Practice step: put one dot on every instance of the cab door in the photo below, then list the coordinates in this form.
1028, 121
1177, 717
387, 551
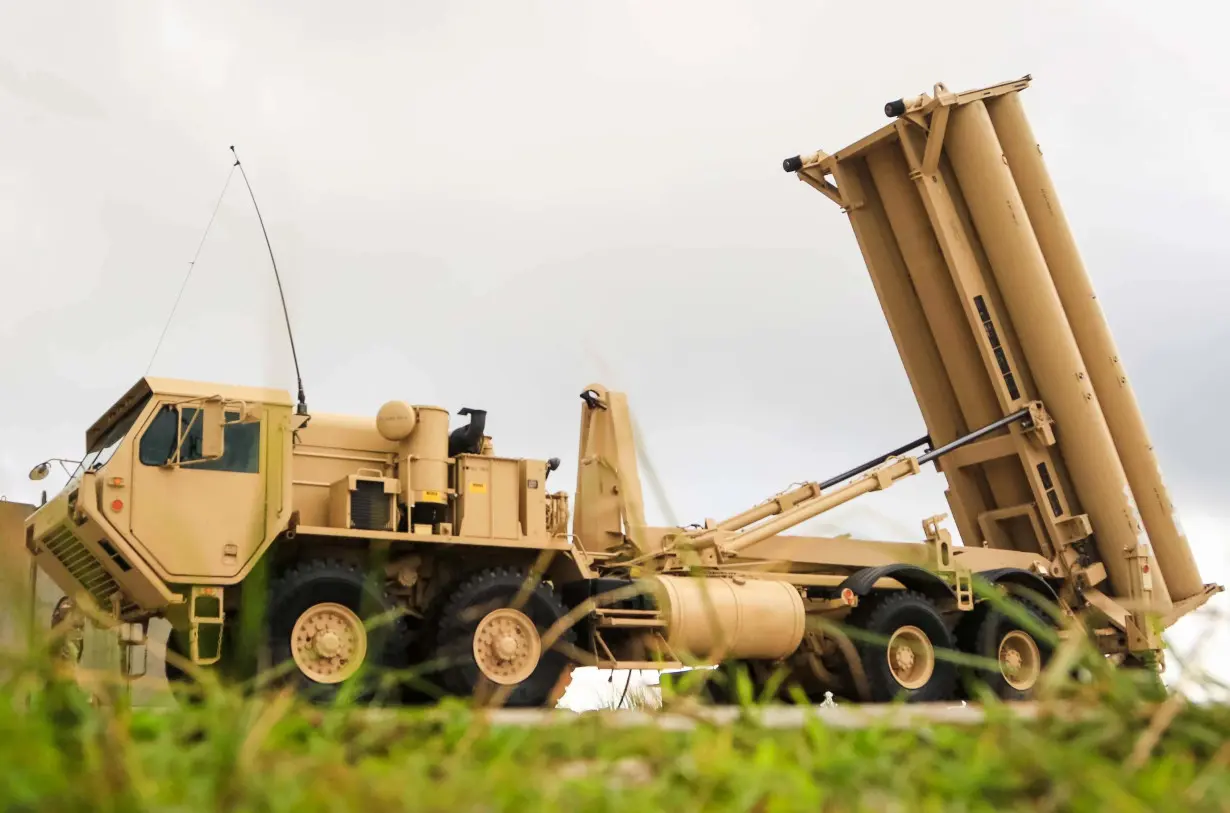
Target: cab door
200, 519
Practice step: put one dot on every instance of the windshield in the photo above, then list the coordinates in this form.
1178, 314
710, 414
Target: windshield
98, 456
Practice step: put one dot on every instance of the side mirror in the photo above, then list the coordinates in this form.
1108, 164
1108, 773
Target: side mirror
201, 430
212, 429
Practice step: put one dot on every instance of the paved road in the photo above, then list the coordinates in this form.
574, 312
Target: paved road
841, 716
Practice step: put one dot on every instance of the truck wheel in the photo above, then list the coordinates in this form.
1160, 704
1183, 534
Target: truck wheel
484, 640
907, 665
184, 686
561, 686
719, 688
181, 685
320, 614
1020, 656
722, 687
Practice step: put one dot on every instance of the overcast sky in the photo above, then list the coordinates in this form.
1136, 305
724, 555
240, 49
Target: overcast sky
494, 204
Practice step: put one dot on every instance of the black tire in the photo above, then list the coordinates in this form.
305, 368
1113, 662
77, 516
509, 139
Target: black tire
981, 634
183, 685
886, 613
318, 581
722, 687
422, 686
177, 644
466, 605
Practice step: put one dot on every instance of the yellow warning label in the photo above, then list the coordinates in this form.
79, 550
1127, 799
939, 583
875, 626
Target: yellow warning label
478, 488
432, 496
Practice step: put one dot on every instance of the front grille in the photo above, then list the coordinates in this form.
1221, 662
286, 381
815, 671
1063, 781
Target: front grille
87, 570
369, 506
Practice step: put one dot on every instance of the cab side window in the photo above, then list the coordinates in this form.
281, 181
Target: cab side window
158, 442
241, 443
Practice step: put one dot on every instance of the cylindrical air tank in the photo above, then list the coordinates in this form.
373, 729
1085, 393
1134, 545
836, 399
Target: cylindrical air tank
1047, 341
427, 449
1097, 348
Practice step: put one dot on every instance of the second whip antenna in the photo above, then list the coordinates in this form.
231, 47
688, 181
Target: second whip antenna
301, 409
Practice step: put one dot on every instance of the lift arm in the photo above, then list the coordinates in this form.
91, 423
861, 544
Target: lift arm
812, 501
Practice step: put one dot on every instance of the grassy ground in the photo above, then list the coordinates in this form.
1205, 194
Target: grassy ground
1128, 751
1113, 741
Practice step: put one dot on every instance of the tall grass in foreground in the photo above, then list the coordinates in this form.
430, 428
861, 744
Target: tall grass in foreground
1107, 743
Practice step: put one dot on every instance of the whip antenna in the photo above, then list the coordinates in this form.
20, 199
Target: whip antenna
191, 266
301, 409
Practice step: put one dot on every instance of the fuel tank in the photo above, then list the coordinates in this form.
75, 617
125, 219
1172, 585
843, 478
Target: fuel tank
718, 618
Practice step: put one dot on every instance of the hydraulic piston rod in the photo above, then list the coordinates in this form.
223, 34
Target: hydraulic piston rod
973, 436
872, 481
784, 502
871, 464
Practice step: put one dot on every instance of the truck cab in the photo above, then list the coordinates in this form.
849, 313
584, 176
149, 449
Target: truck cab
182, 482
187, 486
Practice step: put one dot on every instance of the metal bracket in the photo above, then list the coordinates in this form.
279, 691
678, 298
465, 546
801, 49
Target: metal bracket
129, 672
821, 184
131, 637
935, 140
1041, 426
1144, 628
939, 542
1074, 529
988, 524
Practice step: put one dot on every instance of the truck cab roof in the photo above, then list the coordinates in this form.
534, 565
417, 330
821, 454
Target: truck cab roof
185, 388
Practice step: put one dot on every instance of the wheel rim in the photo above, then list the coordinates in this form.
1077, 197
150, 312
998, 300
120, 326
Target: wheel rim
1020, 661
506, 646
911, 658
328, 643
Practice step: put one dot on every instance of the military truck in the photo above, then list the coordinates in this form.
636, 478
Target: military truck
341, 547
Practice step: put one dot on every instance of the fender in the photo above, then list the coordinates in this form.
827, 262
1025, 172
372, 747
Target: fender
1010, 577
912, 577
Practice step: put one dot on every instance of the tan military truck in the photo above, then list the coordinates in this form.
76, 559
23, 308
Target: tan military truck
339, 547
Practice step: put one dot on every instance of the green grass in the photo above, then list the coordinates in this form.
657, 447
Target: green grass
1109, 742
1123, 752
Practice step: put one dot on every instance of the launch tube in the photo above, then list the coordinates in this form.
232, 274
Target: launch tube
948, 323
908, 325
931, 279
1048, 343
1097, 347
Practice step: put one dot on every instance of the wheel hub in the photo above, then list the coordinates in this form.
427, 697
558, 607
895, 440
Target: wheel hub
328, 643
506, 646
1020, 661
911, 657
